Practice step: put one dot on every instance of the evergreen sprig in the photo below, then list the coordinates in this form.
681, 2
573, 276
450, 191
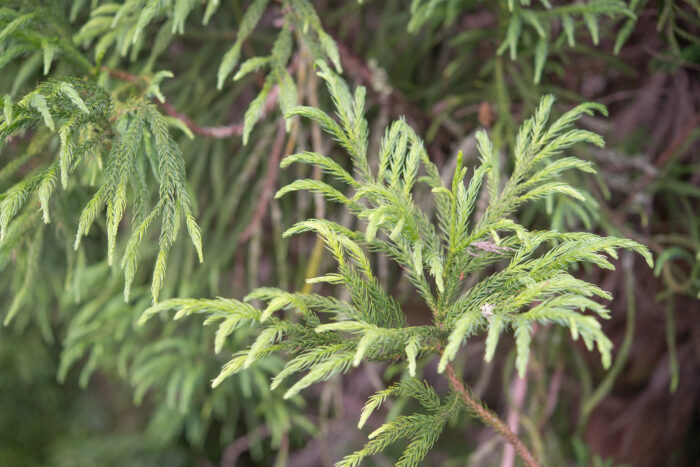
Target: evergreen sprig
120, 140
532, 284
298, 17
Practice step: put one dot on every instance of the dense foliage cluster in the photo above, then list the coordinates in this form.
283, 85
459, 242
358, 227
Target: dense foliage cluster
534, 287
141, 144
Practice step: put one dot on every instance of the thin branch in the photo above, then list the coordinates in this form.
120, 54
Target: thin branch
387, 96
519, 390
219, 132
268, 184
241, 445
552, 393
354, 65
489, 418
121, 74
660, 162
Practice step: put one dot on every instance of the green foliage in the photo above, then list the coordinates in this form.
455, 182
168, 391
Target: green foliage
311, 33
119, 140
525, 49
527, 23
90, 140
422, 429
99, 171
532, 284
37, 31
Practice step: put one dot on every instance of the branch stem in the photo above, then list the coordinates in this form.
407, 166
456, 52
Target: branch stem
269, 182
489, 418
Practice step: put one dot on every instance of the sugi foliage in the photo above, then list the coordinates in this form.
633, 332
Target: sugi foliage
532, 286
116, 134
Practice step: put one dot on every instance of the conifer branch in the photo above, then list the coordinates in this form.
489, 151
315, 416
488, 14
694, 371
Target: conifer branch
533, 287
101, 139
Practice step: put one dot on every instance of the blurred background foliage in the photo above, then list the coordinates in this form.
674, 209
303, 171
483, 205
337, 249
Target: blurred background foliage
81, 384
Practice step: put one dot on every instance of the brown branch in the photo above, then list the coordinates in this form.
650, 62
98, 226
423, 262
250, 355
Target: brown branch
219, 132
121, 74
268, 183
387, 96
392, 100
660, 162
241, 445
518, 390
226, 131
489, 418
553, 392
354, 65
